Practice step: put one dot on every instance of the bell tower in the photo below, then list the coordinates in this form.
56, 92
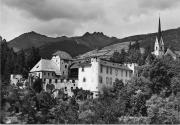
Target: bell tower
159, 44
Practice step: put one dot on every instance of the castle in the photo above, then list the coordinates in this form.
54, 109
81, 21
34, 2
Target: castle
89, 71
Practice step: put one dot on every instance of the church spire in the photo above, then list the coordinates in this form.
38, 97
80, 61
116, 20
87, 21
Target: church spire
159, 30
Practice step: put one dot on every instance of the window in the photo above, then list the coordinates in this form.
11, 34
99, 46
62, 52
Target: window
44, 80
84, 79
73, 81
130, 74
65, 66
74, 85
110, 70
44, 73
122, 73
107, 70
48, 74
71, 88
110, 81
50, 80
56, 80
65, 88
101, 68
100, 79
82, 69
107, 80
126, 73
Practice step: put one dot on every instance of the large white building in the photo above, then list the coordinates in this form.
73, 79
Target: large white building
96, 73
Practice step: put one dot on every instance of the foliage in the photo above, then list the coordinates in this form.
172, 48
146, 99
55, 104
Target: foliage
37, 86
82, 94
133, 55
161, 110
16, 63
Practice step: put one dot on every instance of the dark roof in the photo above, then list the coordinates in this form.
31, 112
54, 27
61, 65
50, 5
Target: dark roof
63, 55
80, 64
114, 65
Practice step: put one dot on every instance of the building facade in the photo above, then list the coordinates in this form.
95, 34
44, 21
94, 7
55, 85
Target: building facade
96, 73
54, 71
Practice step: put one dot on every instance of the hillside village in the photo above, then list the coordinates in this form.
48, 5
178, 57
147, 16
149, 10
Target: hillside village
93, 72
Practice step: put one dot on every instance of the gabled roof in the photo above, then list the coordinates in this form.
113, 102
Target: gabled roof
80, 64
174, 54
46, 65
177, 53
169, 51
63, 55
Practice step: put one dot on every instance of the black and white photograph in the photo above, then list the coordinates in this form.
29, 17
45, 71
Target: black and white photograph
90, 61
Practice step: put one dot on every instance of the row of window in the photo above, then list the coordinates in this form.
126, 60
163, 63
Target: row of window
50, 80
108, 80
49, 74
109, 70
56, 81
65, 88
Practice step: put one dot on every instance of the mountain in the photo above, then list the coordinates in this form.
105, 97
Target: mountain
171, 39
95, 40
90, 41
48, 45
28, 40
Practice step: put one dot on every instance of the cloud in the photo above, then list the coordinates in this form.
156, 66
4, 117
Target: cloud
52, 9
158, 4
118, 18
58, 27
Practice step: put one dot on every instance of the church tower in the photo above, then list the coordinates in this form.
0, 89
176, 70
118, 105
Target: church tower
159, 44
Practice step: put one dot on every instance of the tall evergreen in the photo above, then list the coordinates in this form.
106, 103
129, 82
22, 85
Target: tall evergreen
33, 57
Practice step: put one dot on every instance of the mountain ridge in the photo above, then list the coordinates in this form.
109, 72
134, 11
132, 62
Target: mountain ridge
88, 41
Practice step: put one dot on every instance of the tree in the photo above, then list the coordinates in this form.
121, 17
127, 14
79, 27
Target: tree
117, 87
37, 86
33, 57
161, 111
159, 75
82, 94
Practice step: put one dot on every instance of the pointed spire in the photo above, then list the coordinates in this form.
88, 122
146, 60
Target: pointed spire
159, 30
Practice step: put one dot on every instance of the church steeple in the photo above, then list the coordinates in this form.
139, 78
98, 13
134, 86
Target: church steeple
159, 44
159, 31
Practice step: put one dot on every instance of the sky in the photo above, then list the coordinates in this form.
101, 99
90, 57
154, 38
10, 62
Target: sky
118, 18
